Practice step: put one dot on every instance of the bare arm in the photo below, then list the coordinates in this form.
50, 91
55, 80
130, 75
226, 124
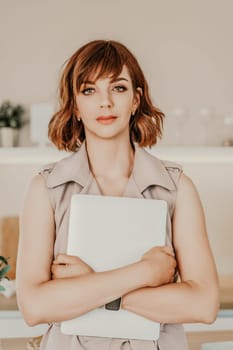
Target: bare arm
39, 296
195, 298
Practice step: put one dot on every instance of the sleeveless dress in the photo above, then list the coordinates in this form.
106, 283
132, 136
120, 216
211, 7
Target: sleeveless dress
150, 178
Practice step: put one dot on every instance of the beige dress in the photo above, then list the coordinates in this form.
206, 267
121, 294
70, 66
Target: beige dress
150, 178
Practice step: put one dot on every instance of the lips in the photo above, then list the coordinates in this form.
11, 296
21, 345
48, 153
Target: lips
106, 119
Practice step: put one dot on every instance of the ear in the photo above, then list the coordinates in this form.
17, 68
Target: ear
137, 97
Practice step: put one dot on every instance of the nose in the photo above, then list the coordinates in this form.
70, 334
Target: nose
106, 100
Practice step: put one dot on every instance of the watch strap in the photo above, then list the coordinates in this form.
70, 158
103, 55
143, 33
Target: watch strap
113, 305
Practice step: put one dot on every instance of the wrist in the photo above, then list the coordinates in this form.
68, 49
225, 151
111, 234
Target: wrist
144, 273
151, 274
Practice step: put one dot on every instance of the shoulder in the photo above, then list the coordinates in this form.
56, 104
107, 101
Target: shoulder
149, 170
187, 190
46, 169
37, 185
170, 166
67, 160
174, 169
60, 172
186, 183
36, 195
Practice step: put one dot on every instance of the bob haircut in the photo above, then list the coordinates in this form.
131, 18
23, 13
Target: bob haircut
100, 59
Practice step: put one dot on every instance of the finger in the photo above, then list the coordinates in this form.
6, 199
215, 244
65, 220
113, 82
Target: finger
66, 259
56, 269
169, 250
61, 259
60, 271
68, 271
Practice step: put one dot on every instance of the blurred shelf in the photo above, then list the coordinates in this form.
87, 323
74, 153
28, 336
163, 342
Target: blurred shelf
30, 155
12, 324
198, 155
41, 155
8, 304
226, 293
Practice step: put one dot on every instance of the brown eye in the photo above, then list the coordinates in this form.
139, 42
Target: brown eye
120, 88
88, 91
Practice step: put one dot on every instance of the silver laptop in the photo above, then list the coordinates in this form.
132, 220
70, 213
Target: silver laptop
107, 233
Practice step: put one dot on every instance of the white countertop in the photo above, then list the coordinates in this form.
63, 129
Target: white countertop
12, 325
42, 155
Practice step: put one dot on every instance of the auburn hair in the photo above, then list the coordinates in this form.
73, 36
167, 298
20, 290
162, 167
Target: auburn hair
100, 59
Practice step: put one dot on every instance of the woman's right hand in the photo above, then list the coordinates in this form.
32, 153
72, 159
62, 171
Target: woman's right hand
160, 263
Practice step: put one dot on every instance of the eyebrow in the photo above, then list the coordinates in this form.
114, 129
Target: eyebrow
118, 79
112, 81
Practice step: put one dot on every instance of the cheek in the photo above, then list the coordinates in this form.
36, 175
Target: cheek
84, 108
129, 108
125, 103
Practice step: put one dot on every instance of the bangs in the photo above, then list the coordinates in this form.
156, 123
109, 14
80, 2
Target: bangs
105, 61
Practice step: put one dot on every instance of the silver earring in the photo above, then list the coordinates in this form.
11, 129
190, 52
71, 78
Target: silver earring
78, 119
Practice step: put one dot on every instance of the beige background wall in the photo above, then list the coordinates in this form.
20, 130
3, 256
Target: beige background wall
184, 46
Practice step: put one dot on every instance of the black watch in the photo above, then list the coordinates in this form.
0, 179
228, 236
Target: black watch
114, 305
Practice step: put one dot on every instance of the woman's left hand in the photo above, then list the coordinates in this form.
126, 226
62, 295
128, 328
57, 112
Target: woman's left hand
67, 266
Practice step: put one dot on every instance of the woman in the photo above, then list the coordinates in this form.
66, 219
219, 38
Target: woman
106, 117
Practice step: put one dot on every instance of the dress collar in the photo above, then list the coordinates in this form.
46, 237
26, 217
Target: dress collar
72, 168
147, 170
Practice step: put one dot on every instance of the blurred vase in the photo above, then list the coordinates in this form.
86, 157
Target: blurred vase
227, 139
8, 136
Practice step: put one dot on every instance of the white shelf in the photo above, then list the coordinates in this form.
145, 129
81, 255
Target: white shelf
30, 155
12, 325
194, 155
221, 324
43, 155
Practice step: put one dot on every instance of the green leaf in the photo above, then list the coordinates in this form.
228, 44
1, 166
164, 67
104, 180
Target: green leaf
3, 260
2, 288
4, 271
11, 115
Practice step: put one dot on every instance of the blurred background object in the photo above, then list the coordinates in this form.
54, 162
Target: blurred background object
228, 130
9, 236
40, 114
10, 123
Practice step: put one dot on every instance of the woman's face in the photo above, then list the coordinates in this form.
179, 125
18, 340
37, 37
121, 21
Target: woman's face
105, 106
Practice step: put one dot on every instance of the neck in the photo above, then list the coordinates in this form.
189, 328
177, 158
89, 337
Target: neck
110, 159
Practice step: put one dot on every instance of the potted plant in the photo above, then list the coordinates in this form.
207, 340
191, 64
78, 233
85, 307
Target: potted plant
4, 268
10, 123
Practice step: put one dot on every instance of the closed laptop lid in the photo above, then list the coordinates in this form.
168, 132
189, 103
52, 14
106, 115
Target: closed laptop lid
107, 233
